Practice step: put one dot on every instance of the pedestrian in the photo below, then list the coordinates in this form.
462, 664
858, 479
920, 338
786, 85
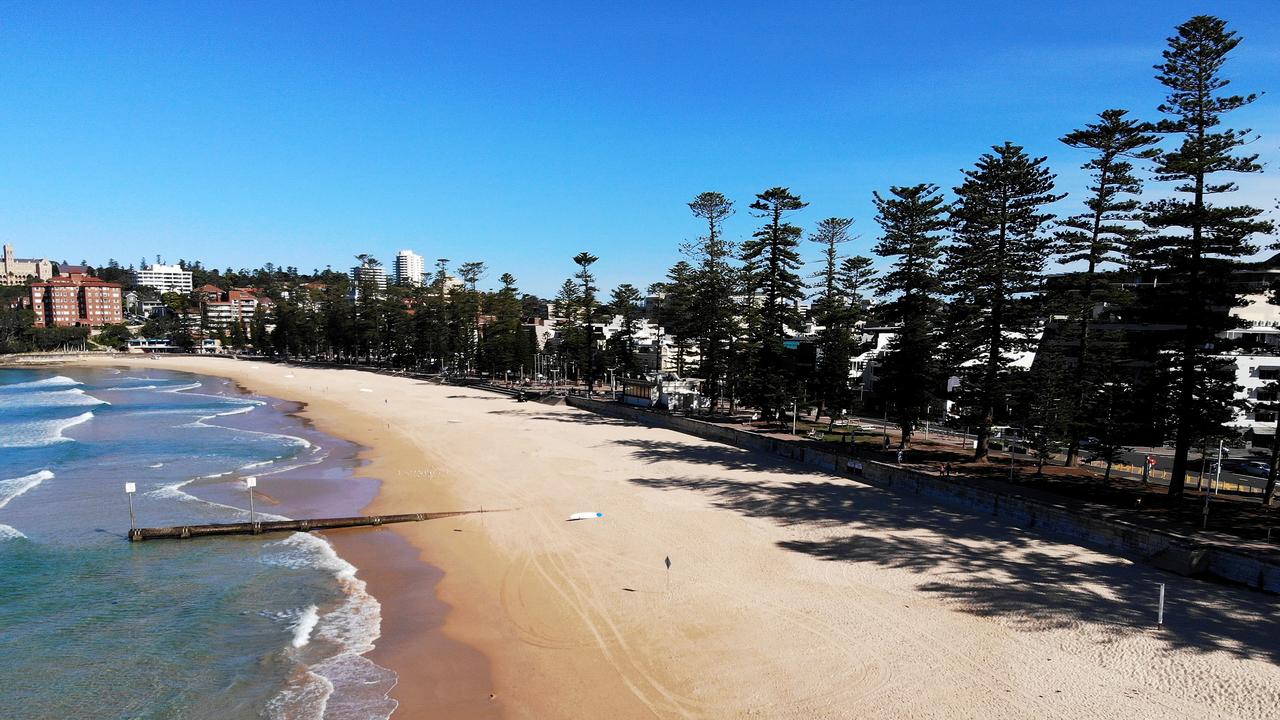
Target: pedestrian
947, 470
899, 456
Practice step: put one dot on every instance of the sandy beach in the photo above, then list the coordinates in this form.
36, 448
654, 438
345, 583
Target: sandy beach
791, 593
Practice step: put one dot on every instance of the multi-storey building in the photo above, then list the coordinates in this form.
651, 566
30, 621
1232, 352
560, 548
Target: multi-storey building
16, 271
409, 268
165, 278
222, 309
368, 274
77, 299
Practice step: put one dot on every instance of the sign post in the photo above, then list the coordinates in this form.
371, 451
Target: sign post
251, 483
129, 490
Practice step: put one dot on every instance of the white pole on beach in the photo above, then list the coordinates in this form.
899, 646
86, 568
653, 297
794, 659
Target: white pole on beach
251, 483
129, 490
1160, 611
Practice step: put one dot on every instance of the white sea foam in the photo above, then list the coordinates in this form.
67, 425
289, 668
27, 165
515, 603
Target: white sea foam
237, 411
306, 697
346, 683
13, 487
303, 626
66, 397
8, 532
161, 384
149, 383
55, 381
38, 433
175, 491
156, 465
204, 422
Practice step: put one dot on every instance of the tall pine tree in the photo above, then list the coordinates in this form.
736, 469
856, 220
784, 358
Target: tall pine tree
713, 285
621, 348
1101, 236
994, 266
774, 288
912, 219
833, 312
1196, 244
584, 276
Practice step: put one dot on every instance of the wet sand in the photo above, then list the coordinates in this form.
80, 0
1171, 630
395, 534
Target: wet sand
792, 594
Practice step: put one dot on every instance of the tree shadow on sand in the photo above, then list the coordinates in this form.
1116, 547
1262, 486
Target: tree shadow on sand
573, 418
974, 564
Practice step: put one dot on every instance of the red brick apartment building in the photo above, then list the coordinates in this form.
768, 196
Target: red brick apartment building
76, 299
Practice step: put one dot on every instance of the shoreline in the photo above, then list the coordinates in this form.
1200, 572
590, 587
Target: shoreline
394, 572
792, 593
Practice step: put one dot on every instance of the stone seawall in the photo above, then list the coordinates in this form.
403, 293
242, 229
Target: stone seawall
1178, 553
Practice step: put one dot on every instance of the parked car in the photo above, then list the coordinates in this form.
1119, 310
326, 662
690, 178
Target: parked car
1254, 468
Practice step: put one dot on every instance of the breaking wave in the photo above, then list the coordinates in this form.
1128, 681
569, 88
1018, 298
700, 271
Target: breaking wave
38, 433
13, 487
346, 682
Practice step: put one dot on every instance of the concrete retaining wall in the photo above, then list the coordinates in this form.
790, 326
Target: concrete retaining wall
1095, 529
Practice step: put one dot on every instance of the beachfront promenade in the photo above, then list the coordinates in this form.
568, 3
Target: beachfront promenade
794, 592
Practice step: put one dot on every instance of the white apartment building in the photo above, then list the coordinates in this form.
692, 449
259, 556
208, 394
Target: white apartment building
165, 278
368, 272
410, 268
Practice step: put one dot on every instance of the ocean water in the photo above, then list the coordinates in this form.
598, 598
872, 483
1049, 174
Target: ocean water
93, 626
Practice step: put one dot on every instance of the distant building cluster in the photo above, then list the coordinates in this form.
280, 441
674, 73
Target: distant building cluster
408, 270
221, 310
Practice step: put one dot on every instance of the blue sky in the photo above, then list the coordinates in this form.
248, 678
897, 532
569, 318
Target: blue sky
245, 133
